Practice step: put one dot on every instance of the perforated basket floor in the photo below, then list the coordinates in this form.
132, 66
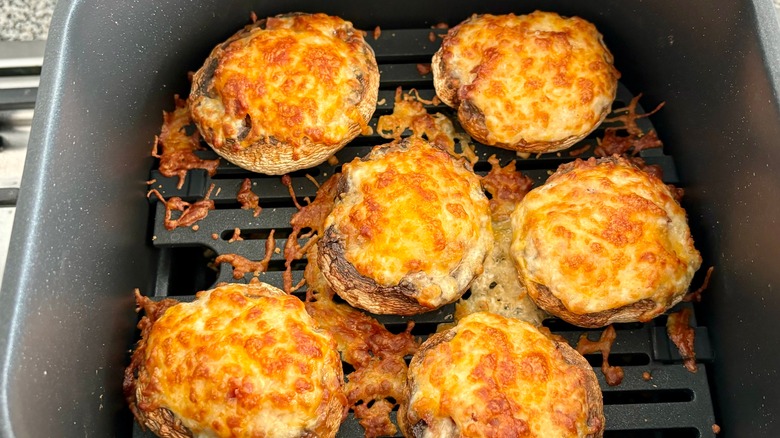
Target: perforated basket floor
674, 403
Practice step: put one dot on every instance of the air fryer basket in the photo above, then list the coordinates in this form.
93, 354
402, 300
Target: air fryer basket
85, 235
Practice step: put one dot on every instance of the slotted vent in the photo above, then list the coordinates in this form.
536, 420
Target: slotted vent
673, 403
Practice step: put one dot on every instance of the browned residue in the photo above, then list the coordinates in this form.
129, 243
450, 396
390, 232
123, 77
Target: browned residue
243, 266
409, 113
635, 141
376, 354
313, 181
579, 151
683, 336
650, 169
377, 33
630, 117
313, 217
613, 375
190, 213
287, 181
236, 235
248, 199
178, 148
658, 172
507, 187
423, 69
696, 295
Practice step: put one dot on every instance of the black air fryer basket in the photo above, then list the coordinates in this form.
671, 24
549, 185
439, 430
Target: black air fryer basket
85, 235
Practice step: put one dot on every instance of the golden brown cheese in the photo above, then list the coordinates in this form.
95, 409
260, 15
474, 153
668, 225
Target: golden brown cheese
243, 360
248, 199
536, 82
378, 383
492, 376
601, 235
409, 114
411, 213
298, 87
178, 148
190, 213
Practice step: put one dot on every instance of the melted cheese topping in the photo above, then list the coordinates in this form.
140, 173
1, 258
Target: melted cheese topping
498, 290
603, 234
178, 148
235, 364
497, 377
535, 78
409, 114
296, 81
173, 133
417, 215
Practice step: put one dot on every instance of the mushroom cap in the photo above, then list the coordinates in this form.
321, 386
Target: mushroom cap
409, 231
285, 93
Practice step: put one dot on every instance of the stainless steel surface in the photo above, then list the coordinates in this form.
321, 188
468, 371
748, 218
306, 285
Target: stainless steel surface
15, 121
15, 132
6, 222
11, 82
14, 54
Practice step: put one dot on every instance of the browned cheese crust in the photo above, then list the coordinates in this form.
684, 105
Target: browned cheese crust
493, 376
533, 83
602, 242
241, 360
409, 231
285, 93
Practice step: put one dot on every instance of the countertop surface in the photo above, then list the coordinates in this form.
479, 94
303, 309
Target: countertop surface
25, 20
